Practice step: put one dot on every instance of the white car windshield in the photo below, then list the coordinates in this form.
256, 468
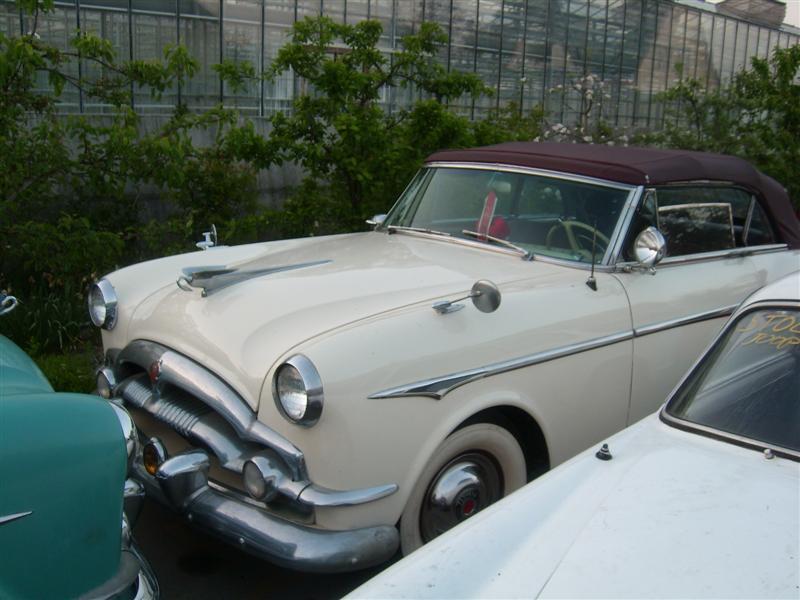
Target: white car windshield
543, 216
749, 385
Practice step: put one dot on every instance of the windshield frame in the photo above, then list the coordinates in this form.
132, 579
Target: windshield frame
605, 262
709, 354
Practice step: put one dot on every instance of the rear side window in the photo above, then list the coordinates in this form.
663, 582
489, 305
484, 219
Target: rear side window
709, 219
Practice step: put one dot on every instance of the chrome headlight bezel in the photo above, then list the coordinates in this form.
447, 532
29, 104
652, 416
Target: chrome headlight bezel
301, 369
102, 304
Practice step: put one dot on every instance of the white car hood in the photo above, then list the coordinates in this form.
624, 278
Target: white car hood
239, 331
673, 514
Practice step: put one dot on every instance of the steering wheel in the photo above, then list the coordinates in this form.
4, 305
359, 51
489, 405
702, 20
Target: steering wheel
580, 238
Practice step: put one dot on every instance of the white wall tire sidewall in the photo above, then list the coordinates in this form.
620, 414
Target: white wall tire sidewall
488, 438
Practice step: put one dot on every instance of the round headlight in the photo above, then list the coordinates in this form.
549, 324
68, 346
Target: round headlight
102, 302
106, 382
297, 389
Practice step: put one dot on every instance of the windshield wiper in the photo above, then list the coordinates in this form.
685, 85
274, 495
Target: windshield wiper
526, 254
394, 228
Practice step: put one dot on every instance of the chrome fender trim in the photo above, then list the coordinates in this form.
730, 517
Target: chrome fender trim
725, 311
437, 388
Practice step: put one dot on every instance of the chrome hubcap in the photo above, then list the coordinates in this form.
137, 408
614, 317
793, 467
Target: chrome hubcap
464, 486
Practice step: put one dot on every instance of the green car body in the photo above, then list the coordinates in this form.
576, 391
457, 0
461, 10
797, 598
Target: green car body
63, 466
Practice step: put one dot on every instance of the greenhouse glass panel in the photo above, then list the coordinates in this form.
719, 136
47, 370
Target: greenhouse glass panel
200, 33
154, 28
334, 9
241, 28
108, 21
57, 28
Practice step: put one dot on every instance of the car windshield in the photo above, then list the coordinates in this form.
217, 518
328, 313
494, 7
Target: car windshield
543, 216
749, 385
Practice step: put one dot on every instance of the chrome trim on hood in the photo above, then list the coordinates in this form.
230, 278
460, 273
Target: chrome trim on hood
213, 279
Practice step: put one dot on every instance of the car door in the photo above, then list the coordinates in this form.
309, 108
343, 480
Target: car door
720, 248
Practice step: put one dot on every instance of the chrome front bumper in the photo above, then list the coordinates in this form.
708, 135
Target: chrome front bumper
164, 387
181, 483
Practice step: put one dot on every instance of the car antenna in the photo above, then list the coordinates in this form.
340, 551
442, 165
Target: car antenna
592, 282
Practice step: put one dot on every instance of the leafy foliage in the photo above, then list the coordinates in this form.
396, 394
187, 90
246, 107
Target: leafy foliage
70, 186
756, 116
359, 154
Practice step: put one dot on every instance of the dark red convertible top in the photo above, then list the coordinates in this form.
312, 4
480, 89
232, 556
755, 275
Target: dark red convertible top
639, 166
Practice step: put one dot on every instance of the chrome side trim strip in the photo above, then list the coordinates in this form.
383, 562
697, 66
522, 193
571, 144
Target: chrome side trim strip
437, 388
671, 261
725, 311
14, 517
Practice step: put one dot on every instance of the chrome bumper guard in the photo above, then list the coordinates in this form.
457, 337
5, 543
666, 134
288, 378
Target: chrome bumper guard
182, 484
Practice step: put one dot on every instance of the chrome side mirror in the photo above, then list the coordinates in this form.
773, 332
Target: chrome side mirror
376, 220
649, 247
485, 296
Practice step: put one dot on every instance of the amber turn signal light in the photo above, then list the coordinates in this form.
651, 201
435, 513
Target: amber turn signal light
153, 455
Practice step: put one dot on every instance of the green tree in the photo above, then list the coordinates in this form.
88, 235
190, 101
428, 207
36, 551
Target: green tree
69, 185
356, 154
756, 116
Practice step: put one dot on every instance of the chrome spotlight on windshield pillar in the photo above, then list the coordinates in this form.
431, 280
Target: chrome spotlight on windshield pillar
649, 248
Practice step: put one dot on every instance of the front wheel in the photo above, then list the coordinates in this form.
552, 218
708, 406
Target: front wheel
474, 467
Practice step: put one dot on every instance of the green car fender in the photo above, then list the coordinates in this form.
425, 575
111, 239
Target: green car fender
62, 468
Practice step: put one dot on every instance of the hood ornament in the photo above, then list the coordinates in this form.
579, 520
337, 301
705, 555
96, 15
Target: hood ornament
210, 279
209, 239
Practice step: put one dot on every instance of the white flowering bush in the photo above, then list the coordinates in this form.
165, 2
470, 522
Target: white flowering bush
584, 96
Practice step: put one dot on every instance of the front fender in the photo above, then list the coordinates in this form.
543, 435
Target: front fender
64, 462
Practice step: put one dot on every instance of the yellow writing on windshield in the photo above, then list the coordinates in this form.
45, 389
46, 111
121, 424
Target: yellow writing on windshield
779, 330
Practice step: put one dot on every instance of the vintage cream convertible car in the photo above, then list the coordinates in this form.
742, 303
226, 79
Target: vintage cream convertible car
321, 401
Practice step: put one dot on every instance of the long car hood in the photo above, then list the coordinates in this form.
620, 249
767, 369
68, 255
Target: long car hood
299, 289
672, 515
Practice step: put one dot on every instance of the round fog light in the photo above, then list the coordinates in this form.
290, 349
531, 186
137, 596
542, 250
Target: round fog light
153, 455
261, 478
